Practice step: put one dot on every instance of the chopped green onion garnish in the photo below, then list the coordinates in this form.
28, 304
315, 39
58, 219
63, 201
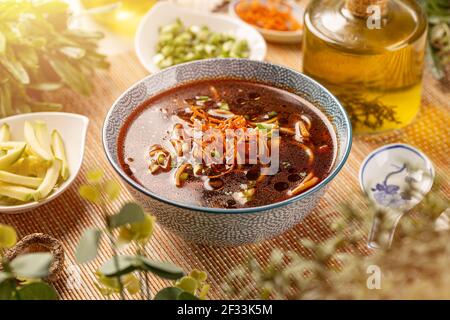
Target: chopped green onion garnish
202, 98
224, 106
161, 159
265, 126
178, 43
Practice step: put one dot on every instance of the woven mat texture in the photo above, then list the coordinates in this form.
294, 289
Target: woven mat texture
66, 217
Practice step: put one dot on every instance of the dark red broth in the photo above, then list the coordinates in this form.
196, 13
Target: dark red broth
305, 159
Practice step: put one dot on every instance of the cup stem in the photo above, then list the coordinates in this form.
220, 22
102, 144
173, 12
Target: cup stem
383, 229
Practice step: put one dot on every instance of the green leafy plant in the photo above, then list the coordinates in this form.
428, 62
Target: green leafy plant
22, 278
416, 266
131, 227
190, 287
39, 53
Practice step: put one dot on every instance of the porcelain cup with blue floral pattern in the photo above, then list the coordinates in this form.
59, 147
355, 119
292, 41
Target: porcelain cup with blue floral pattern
395, 177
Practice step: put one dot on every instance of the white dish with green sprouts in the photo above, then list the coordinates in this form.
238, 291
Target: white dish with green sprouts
40, 156
193, 36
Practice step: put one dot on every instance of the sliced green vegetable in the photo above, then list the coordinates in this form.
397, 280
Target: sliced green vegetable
43, 136
11, 157
25, 181
9, 145
30, 165
59, 151
50, 180
16, 192
30, 170
265, 126
32, 140
5, 134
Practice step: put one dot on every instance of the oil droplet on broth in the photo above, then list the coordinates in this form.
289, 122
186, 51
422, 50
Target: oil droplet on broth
281, 186
213, 184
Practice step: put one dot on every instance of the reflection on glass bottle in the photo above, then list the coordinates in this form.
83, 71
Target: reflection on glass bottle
122, 17
370, 57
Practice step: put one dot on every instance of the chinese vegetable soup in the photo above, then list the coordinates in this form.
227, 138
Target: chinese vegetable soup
227, 144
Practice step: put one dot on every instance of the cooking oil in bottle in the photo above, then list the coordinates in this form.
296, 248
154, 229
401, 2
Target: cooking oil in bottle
370, 54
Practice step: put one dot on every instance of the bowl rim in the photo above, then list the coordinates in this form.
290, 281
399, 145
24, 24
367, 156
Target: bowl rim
385, 148
270, 32
249, 210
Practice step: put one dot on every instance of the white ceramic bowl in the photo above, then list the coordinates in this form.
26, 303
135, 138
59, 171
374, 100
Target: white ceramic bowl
73, 129
164, 13
288, 37
220, 226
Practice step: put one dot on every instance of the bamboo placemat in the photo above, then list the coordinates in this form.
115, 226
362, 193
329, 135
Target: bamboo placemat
66, 217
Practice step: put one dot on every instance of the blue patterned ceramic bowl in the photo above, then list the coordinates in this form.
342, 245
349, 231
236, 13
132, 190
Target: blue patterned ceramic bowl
229, 227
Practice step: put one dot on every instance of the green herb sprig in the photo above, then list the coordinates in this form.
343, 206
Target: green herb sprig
133, 227
39, 53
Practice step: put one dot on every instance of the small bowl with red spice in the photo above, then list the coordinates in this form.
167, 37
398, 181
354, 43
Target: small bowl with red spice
279, 21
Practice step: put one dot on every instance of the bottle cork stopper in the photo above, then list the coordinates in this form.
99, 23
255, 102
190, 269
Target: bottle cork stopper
359, 8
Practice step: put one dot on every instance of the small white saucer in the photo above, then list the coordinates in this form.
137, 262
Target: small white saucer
386, 173
287, 37
164, 13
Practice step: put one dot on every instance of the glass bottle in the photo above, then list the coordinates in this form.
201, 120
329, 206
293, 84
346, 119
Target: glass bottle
370, 54
121, 17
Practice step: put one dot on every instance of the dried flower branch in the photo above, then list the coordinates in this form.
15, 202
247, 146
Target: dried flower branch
416, 266
370, 113
438, 12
